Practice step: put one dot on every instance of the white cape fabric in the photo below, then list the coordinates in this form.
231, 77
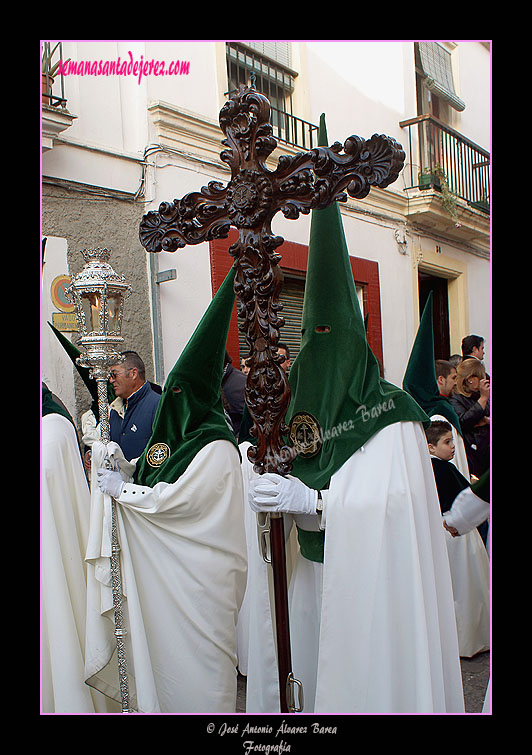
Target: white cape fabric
65, 502
373, 629
250, 526
183, 564
256, 634
470, 573
486, 708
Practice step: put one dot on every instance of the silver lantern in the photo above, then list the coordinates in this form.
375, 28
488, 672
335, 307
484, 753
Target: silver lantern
98, 293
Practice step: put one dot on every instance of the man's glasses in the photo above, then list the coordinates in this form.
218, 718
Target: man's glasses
113, 374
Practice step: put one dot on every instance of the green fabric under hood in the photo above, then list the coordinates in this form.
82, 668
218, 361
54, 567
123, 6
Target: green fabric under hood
420, 375
50, 406
190, 413
335, 377
84, 372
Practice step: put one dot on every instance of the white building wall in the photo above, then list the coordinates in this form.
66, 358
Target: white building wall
480, 305
474, 81
359, 85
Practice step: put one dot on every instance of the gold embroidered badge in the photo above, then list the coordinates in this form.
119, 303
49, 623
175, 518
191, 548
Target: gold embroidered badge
157, 453
305, 434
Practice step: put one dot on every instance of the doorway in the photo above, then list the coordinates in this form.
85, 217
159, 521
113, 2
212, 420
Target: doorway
440, 299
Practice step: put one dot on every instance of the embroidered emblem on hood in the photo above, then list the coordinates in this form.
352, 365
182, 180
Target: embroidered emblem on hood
157, 454
305, 434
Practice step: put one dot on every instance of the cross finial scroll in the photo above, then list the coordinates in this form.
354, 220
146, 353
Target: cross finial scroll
300, 183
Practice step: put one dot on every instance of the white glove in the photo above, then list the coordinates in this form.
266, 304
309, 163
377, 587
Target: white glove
110, 482
467, 512
273, 493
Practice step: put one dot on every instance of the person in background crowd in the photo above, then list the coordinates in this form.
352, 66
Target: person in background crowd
468, 557
446, 377
234, 386
131, 415
473, 347
132, 399
455, 359
282, 348
449, 480
471, 402
470, 508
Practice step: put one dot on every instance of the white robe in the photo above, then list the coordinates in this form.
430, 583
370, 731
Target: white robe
470, 573
466, 513
243, 616
247, 616
65, 502
183, 564
372, 628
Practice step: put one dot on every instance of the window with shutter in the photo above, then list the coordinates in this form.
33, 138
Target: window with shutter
435, 79
259, 63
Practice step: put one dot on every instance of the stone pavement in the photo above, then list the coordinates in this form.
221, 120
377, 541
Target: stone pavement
475, 676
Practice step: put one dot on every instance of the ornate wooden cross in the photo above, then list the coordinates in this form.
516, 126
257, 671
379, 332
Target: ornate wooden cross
306, 181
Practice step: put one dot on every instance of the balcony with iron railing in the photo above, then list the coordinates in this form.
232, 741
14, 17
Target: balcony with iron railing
447, 176
439, 152
52, 59
292, 130
55, 115
272, 77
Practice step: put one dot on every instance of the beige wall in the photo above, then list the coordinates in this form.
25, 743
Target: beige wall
84, 221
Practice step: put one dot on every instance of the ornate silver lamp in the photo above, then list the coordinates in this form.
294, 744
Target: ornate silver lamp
98, 293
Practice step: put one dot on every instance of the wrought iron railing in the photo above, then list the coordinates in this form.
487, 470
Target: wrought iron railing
441, 156
52, 58
293, 130
245, 66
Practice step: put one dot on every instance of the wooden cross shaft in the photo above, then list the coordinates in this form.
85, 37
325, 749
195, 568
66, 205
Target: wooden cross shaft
306, 181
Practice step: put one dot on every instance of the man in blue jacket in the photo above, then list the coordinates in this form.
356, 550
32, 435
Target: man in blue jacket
132, 412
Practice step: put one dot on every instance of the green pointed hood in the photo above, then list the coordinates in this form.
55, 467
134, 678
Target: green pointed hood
190, 413
420, 376
338, 399
73, 352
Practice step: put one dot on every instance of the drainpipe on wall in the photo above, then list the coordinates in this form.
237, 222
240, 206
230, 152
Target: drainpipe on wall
156, 320
156, 278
